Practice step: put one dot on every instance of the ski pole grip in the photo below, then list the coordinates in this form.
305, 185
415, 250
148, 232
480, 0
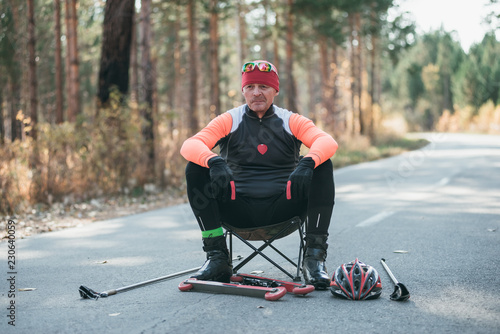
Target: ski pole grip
109, 293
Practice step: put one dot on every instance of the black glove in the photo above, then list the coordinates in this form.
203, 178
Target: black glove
299, 181
222, 179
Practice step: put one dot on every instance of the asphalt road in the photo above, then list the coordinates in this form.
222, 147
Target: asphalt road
439, 205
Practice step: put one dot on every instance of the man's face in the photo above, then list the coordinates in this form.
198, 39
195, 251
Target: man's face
259, 97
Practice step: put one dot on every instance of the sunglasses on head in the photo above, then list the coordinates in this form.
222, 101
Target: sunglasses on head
262, 66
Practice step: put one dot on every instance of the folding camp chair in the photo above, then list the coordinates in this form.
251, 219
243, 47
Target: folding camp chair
268, 234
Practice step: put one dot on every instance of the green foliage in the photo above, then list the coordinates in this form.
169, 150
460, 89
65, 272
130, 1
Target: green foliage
415, 84
467, 86
323, 16
400, 36
436, 75
477, 80
9, 42
6, 34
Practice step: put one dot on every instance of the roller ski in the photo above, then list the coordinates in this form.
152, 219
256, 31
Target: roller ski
292, 287
269, 293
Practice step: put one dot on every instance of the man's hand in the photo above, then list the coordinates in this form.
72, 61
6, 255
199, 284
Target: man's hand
222, 179
299, 181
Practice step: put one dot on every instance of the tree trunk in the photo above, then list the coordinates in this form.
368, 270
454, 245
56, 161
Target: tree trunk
290, 83
373, 78
312, 95
323, 61
354, 76
276, 59
34, 159
328, 81
265, 31
339, 118
134, 64
241, 36
67, 64
58, 63
73, 83
2, 126
115, 52
325, 77
177, 79
193, 71
147, 84
15, 107
14, 71
75, 61
214, 60
241, 32
33, 87
359, 73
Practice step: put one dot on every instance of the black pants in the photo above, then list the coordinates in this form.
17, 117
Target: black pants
254, 212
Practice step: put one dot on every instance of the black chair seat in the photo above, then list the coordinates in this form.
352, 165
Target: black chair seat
282, 229
268, 234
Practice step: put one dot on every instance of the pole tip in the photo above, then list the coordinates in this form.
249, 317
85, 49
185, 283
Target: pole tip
88, 293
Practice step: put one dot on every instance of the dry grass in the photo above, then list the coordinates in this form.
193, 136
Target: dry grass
358, 149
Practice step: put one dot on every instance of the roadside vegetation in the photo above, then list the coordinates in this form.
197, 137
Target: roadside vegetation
358, 150
96, 97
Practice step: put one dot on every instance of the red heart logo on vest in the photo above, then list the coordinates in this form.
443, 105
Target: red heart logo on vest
262, 149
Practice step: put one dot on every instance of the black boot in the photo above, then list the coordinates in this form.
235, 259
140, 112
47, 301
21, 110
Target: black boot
217, 266
314, 268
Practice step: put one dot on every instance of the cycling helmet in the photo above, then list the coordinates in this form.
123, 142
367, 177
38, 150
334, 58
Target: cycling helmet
356, 281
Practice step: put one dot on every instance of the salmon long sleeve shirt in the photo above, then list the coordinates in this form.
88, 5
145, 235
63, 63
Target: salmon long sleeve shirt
261, 152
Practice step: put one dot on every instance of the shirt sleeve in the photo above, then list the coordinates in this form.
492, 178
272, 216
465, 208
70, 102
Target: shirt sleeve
321, 145
198, 149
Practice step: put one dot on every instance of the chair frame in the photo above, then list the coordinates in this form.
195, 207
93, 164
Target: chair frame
292, 224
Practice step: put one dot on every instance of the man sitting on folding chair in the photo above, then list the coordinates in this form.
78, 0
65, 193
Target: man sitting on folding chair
259, 179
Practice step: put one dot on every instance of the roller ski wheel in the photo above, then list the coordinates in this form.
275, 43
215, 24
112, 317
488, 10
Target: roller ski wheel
183, 286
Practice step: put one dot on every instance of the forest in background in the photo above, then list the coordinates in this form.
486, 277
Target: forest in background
96, 97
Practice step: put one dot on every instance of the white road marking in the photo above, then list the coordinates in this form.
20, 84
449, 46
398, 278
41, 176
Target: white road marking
375, 219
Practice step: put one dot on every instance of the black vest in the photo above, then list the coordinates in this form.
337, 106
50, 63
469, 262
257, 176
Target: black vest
261, 152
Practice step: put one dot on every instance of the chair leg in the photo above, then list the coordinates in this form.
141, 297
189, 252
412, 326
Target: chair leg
268, 243
301, 251
258, 251
283, 255
230, 248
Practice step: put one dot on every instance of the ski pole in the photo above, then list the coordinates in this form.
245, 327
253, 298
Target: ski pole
88, 293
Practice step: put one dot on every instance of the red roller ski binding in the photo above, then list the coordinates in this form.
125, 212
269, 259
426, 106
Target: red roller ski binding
292, 287
269, 293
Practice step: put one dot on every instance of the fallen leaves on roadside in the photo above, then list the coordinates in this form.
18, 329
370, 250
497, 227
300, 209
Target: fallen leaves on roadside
69, 214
